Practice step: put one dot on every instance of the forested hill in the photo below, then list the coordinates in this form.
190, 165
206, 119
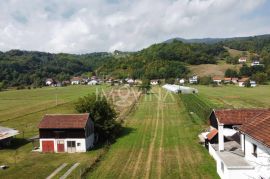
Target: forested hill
32, 68
163, 60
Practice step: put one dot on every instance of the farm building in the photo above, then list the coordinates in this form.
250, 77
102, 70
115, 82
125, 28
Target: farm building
66, 133
239, 141
6, 135
179, 89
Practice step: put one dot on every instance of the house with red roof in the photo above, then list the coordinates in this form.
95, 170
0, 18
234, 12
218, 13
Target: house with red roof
66, 133
239, 141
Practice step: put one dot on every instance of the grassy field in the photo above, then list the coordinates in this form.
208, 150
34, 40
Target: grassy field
232, 96
160, 141
23, 110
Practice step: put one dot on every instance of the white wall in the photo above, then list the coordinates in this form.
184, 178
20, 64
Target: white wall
84, 143
262, 161
229, 173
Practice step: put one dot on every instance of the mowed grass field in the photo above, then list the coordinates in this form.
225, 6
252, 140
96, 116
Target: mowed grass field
232, 96
160, 141
23, 110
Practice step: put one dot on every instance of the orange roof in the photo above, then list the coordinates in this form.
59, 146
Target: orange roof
227, 79
212, 134
64, 121
76, 78
258, 128
237, 116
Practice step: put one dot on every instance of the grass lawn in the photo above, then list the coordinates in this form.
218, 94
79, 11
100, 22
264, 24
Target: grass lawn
22, 110
160, 141
232, 96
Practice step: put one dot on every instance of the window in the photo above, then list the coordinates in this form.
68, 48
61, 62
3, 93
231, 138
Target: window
222, 166
78, 144
70, 143
254, 150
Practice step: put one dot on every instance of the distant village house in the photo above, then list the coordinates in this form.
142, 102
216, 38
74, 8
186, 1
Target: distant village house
193, 79
154, 82
242, 60
76, 80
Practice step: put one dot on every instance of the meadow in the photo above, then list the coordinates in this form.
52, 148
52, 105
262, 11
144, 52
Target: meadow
160, 142
231, 96
23, 110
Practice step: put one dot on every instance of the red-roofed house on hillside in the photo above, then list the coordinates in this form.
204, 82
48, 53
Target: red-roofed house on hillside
66, 133
217, 79
239, 141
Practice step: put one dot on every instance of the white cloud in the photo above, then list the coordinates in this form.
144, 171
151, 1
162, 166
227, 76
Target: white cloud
105, 25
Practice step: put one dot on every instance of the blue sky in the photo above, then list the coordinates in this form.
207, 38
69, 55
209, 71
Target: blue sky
105, 25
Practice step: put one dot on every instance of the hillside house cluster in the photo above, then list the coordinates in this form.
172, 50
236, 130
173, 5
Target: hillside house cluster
66, 133
239, 141
241, 82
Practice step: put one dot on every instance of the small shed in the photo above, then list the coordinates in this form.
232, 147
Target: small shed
6, 135
66, 133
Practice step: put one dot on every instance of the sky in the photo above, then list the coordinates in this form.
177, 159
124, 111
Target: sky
85, 26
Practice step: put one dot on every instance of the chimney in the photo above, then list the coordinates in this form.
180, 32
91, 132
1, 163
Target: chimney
220, 137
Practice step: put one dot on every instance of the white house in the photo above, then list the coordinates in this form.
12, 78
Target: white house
242, 60
66, 133
234, 80
182, 81
253, 83
154, 82
217, 79
76, 80
130, 81
49, 82
193, 79
239, 141
93, 82
242, 82
255, 63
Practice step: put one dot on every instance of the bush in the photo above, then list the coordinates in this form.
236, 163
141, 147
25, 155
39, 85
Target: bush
205, 80
103, 115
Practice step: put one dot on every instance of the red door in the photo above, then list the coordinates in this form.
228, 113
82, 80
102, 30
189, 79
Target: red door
47, 146
60, 146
